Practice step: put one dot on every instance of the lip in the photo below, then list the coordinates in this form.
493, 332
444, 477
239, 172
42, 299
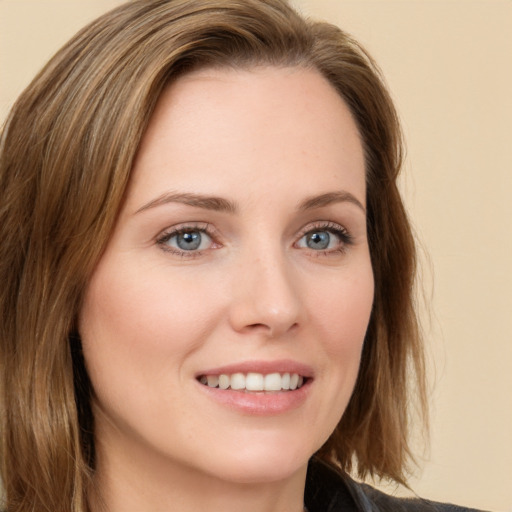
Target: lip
260, 403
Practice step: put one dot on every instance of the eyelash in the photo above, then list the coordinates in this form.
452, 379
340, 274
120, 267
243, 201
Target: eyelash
344, 236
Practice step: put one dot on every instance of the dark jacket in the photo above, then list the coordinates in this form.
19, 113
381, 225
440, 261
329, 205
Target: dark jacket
328, 490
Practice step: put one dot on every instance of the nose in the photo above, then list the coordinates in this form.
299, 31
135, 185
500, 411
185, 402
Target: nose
265, 296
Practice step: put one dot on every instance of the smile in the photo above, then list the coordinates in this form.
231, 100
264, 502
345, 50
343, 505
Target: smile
254, 381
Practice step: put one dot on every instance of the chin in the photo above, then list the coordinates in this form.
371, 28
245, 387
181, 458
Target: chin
261, 462
261, 471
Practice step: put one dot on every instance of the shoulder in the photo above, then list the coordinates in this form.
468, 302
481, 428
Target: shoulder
330, 490
379, 501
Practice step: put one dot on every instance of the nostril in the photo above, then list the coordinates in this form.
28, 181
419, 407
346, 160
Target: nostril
259, 326
271, 330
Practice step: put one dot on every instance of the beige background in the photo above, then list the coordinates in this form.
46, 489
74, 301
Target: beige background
448, 64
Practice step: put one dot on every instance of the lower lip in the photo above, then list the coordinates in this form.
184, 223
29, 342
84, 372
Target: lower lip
259, 403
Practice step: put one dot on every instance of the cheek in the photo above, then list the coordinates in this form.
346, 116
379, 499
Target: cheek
134, 307
135, 325
344, 312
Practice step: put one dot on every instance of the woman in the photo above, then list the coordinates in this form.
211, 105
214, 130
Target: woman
208, 269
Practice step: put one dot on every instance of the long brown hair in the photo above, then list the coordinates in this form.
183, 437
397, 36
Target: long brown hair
67, 149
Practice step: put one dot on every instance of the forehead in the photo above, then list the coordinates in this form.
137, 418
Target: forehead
267, 122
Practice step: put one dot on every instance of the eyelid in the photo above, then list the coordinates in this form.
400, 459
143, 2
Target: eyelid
326, 225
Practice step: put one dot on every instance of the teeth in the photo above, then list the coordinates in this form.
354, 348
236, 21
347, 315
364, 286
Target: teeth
294, 380
212, 381
254, 381
272, 382
238, 381
224, 381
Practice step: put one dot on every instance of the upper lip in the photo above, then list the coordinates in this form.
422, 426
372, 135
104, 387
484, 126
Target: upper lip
262, 366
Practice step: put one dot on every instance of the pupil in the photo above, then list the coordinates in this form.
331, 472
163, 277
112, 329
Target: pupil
189, 241
319, 240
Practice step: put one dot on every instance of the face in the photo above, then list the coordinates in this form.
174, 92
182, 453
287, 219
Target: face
223, 326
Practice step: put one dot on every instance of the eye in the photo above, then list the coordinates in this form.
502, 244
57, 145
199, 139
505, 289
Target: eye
319, 240
329, 237
185, 240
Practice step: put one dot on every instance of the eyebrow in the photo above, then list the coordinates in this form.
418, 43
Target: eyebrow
329, 198
224, 205
218, 204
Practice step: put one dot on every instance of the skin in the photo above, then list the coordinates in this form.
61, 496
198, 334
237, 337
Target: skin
154, 316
